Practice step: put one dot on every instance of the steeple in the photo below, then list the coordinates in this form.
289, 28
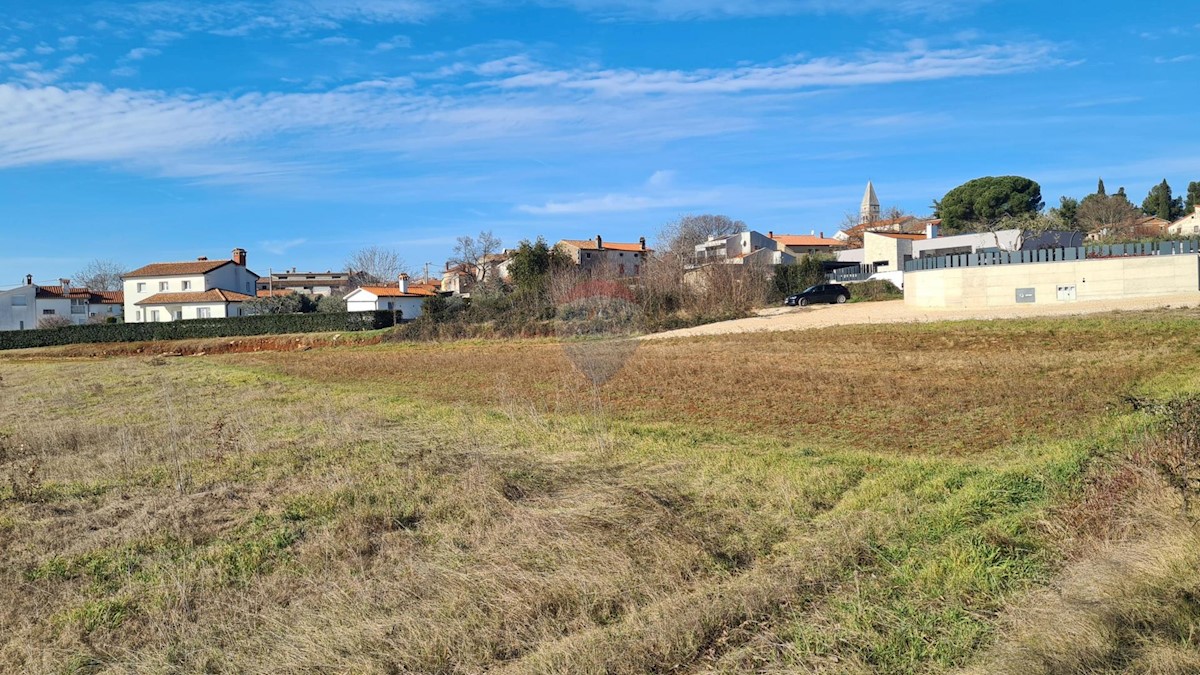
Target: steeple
869, 211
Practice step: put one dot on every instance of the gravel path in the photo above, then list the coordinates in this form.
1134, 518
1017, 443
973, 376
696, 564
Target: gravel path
894, 311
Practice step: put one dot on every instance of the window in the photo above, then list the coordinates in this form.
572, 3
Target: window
78, 306
154, 315
622, 269
141, 287
187, 285
47, 311
588, 254
163, 285
203, 313
621, 254
19, 301
391, 305
139, 316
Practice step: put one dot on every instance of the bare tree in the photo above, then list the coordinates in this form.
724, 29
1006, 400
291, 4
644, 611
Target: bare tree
1101, 213
472, 253
679, 238
375, 265
101, 275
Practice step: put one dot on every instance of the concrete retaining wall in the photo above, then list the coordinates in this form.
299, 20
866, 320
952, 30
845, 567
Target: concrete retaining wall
1106, 279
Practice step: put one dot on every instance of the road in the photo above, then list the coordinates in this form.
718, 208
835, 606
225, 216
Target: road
895, 311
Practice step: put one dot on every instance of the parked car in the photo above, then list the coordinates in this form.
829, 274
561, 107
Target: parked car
832, 293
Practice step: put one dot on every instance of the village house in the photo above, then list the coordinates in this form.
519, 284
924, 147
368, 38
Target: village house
406, 298
1187, 226
26, 307
619, 259
307, 283
197, 289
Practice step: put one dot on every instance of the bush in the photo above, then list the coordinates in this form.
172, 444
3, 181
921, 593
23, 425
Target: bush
272, 324
874, 291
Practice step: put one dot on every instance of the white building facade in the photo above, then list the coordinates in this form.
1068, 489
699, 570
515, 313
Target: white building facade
28, 306
199, 289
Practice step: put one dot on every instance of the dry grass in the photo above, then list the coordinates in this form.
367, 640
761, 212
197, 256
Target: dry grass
330, 512
960, 387
1132, 605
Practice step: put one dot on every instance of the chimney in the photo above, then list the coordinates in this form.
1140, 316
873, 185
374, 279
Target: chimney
599, 243
28, 279
239, 256
642, 241
403, 283
931, 231
770, 234
822, 235
66, 285
202, 258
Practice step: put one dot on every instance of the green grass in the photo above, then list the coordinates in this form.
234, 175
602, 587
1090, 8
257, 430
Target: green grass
455, 508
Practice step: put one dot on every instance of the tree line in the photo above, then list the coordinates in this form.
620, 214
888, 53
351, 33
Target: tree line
996, 202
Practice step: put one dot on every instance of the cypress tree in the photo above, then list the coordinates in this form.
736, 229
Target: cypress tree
1100, 189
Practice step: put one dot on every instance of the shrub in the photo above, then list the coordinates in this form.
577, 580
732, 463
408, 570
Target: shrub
875, 290
272, 324
48, 322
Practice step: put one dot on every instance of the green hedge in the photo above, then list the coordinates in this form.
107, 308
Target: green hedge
269, 324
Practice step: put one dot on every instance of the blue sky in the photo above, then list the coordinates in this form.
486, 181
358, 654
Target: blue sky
305, 129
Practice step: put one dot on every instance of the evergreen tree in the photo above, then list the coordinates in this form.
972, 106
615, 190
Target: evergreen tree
1160, 203
1100, 189
1067, 211
1193, 198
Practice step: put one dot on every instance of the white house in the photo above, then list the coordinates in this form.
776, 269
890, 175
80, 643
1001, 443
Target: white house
405, 298
198, 289
24, 307
1187, 226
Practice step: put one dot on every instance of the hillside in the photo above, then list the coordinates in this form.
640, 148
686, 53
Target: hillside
905, 498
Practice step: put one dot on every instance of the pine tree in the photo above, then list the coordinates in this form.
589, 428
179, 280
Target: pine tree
1100, 189
1193, 197
1160, 203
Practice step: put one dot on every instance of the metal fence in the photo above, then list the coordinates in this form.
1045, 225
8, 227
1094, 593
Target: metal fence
1094, 252
850, 274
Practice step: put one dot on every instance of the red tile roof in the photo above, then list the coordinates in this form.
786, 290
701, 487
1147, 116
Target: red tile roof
875, 225
79, 293
268, 293
177, 268
902, 235
805, 240
414, 291
108, 297
590, 245
211, 295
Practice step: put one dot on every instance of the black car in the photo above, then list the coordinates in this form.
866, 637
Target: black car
833, 293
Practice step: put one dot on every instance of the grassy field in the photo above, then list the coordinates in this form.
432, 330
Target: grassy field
909, 498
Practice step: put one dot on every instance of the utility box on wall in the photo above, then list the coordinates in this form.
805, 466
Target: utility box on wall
1026, 296
1066, 293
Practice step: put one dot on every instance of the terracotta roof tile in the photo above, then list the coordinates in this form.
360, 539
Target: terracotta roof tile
268, 293
211, 295
414, 291
79, 293
177, 268
590, 245
805, 240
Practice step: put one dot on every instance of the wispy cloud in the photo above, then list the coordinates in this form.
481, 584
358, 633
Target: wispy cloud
395, 42
1182, 58
280, 247
493, 108
616, 203
140, 53
913, 65
243, 17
